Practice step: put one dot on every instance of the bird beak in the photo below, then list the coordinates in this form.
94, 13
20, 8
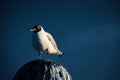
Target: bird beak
32, 30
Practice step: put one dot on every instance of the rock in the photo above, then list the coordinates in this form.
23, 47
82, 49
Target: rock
42, 70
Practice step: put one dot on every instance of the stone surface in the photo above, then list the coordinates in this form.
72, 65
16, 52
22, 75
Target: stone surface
42, 70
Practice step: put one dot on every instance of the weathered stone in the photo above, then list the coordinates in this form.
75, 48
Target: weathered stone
42, 70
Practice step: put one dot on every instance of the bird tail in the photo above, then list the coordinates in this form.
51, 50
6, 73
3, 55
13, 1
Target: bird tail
59, 53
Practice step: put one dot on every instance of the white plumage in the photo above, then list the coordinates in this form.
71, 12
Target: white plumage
43, 42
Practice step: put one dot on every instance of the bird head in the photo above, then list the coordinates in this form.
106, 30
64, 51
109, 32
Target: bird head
36, 28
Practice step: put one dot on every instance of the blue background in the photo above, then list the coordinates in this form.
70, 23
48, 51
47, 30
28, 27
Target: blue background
88, 31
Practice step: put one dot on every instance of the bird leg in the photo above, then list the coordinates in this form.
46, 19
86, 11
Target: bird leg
39, 55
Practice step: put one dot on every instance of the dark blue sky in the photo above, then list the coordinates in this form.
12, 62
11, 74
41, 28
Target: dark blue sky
88, 31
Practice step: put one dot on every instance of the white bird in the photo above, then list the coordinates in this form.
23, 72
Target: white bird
43, 42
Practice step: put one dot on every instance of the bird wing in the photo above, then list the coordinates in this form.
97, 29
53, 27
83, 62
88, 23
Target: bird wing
51, 39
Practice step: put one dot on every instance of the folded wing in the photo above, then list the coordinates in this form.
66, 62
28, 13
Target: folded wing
51, 39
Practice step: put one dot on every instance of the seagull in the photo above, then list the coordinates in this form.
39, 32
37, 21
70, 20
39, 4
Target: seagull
43, 42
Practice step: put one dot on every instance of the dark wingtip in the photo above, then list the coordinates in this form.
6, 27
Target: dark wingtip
63, 53
60, 55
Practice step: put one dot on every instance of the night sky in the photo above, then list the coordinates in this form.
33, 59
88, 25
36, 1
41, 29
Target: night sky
87, 31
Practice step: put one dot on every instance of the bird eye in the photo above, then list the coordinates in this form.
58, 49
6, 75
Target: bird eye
39, 28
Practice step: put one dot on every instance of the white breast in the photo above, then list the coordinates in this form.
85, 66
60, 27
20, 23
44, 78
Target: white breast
36, 42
